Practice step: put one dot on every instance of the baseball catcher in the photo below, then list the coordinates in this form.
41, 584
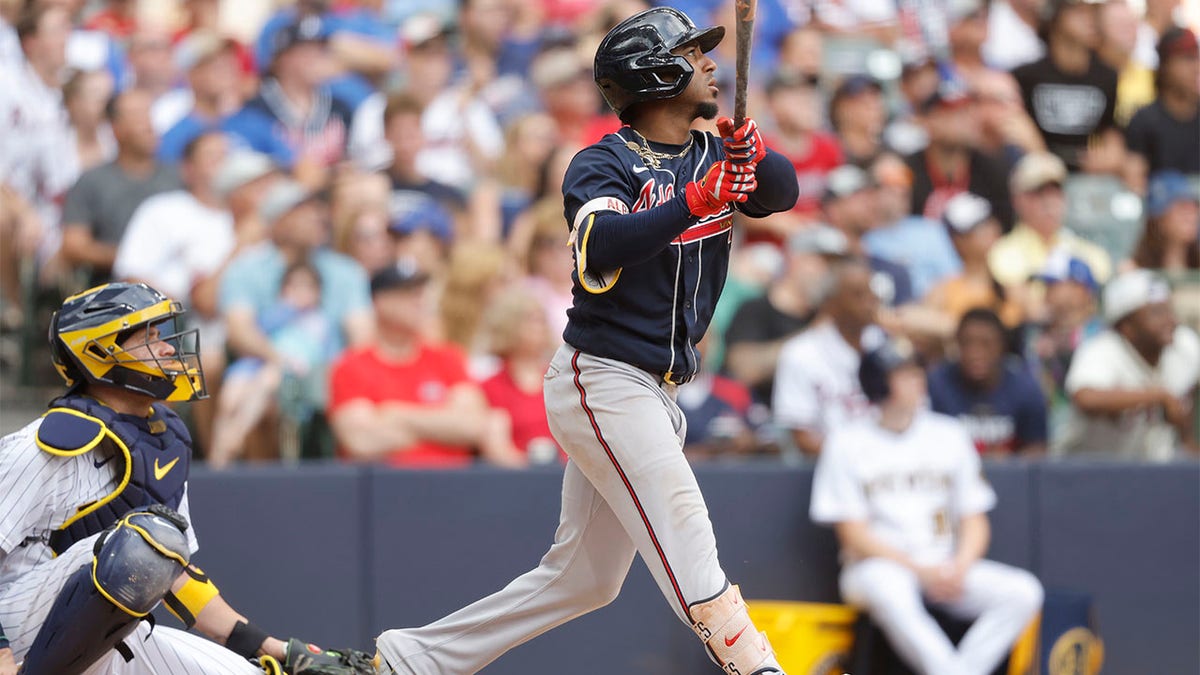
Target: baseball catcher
94, 520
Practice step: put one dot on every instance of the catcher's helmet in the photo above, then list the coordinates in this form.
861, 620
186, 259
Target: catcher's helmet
634, 62
878, 364
89, 343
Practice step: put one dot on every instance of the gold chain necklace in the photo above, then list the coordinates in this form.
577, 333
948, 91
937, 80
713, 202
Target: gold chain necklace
653, 157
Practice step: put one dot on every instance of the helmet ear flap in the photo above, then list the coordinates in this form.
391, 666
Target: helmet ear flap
62, 358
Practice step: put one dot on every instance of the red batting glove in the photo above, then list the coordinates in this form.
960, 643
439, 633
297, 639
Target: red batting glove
724, 182
744, 144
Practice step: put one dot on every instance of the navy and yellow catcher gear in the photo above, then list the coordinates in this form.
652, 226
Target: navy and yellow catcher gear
134, 564
92, 341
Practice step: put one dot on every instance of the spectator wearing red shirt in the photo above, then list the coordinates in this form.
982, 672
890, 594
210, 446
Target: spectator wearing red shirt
795, 105
519, 334
405, 400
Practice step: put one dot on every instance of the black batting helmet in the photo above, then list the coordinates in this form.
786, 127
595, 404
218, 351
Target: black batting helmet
878, 364
634, 62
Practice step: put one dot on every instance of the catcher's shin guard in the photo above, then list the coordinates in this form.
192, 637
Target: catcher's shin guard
134, 565
724, 625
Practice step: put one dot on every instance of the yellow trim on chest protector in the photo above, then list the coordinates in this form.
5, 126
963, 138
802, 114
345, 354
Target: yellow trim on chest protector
85, 445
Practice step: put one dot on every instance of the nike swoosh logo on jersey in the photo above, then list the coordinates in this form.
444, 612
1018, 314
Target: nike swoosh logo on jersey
99, 464
729, 642
160, 471
640, 169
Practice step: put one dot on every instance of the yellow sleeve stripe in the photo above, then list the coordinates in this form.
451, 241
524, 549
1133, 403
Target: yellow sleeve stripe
587, 279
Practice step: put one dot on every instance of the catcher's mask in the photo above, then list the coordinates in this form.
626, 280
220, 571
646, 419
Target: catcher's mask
127, 335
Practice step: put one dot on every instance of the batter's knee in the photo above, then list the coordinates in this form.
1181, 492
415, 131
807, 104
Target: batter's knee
602, 590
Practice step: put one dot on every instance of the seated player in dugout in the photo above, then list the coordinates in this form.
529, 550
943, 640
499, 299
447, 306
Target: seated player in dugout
94, 518
650, 209
905, 493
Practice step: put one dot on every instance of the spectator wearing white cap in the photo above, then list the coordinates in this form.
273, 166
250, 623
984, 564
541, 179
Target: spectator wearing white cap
1133, 386
1037, 193
973, 231
240, 184
212, 92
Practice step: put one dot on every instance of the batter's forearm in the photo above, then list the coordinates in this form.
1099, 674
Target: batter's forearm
616, 240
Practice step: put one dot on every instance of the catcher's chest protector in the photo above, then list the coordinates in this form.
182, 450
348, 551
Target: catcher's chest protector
153, 456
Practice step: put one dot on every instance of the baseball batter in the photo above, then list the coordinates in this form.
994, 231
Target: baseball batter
650, 210
94, 519
906, 495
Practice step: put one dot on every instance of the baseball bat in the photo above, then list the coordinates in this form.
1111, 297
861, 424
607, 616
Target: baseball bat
745, 34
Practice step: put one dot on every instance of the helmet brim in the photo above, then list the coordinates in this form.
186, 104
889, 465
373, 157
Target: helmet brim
708, 38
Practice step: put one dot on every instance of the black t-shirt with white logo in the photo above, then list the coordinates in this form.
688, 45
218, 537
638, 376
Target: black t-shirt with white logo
1068, 107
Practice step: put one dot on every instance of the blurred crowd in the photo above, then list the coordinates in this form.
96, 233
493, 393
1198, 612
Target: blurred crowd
360, 203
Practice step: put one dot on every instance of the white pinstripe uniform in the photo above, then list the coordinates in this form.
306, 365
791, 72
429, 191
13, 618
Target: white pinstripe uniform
38, 492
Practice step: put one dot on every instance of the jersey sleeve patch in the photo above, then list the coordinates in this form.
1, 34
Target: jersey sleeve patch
68, 433
594, 206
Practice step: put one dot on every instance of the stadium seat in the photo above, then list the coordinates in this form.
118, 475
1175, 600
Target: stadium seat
1102, 210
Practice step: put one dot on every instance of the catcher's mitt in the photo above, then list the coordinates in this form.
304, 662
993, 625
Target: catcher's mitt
303, 658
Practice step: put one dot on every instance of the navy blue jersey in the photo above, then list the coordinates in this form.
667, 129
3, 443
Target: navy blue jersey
1005, 418
649, 307
268, 124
